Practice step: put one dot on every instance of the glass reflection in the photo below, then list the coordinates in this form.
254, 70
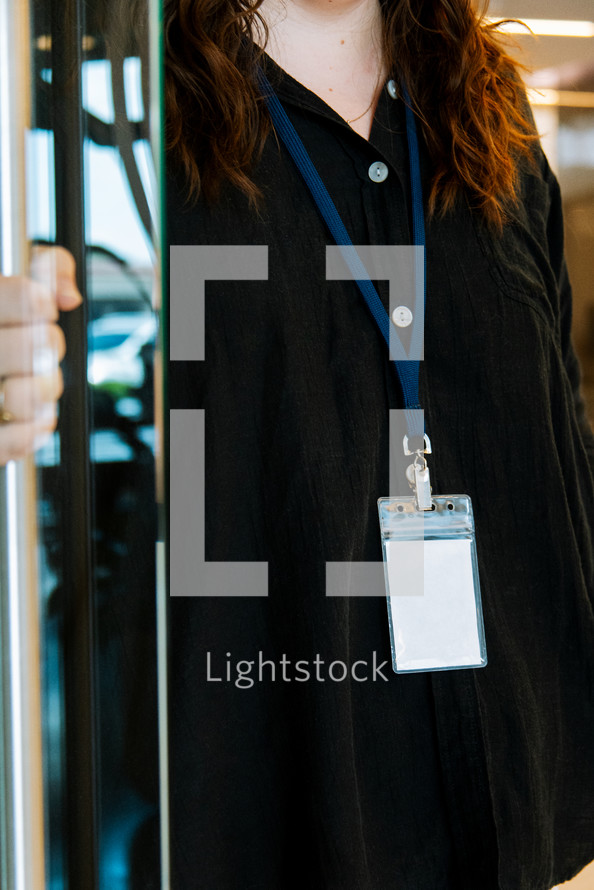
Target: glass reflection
119, 201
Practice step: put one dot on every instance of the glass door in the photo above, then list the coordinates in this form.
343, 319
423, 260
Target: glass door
91, 157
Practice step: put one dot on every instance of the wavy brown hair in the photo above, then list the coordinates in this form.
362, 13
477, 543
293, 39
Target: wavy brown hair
464, 87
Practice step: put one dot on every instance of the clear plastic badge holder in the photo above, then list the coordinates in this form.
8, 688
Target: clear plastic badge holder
432, 584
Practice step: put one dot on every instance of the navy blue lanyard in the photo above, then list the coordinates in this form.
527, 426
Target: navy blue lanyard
407, 369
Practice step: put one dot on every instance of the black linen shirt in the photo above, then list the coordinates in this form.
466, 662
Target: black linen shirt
472, 780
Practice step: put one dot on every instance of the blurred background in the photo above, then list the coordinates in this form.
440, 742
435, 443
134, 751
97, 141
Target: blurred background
560, 57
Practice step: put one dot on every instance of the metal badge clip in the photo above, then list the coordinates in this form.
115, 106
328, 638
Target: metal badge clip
418, 474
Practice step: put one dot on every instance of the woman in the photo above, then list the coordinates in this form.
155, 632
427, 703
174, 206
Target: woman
451, 779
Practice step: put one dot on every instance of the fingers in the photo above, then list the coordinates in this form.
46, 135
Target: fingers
24, 301
31, 346
51, 287
54, 267
29, 399
25, 349
19, 439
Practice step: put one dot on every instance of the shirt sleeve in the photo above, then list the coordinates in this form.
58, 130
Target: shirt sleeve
555, 236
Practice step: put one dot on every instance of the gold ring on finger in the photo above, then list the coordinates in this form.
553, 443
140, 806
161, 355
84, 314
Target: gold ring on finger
5, 416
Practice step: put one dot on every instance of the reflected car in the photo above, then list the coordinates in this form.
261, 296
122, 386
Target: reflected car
116, 342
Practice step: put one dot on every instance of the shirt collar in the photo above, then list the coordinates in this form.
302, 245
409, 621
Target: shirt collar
387, 139
389, 113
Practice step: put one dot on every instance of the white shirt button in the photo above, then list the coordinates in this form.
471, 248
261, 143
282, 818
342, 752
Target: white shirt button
392, 89
378, 171
402, 316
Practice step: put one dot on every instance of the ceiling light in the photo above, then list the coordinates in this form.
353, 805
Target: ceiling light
563, 98
547, 27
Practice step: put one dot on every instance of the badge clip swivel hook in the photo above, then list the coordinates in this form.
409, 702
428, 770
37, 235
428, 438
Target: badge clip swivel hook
418, 474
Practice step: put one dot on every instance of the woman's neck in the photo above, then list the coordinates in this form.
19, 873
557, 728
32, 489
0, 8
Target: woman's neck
355, 17
333, 47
